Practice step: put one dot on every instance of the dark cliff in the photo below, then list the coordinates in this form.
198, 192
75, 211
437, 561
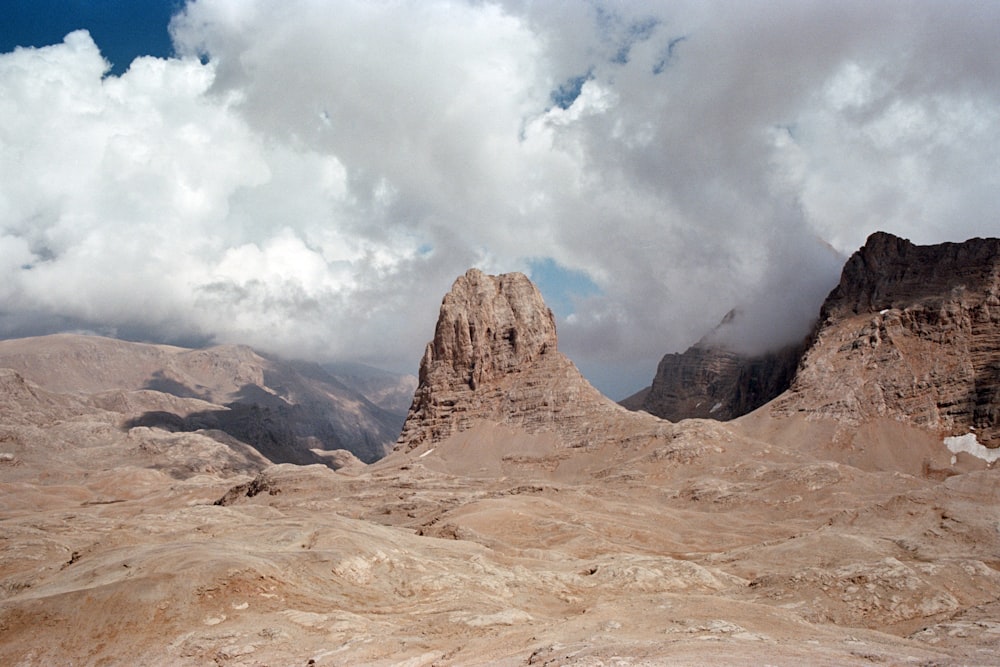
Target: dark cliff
708, 381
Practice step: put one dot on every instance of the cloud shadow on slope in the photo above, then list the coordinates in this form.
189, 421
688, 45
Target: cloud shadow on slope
279, 431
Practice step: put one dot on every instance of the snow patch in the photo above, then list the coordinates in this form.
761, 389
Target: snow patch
715, 407
970, 445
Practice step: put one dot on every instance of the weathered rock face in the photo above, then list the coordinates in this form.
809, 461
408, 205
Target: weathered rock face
495, 357
488, 326
708, 381
910, 333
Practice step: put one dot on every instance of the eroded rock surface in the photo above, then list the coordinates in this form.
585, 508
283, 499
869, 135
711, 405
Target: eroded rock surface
495, 357
526, 522
911, 333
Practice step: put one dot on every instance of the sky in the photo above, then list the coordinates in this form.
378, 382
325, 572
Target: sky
309, 177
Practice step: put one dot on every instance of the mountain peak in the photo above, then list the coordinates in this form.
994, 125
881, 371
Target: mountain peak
891, 272
495, 357
488, 326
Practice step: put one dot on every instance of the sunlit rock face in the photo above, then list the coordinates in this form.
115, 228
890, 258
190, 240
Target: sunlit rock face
911, 333
495, 357
488, 326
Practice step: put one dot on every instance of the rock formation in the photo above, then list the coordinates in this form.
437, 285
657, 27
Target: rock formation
911, 333
495, 357
709, 381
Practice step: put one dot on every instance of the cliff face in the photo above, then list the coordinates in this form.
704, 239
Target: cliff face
911, 333
495, 357
707, 382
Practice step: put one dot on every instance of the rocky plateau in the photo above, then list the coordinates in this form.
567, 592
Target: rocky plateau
521, 518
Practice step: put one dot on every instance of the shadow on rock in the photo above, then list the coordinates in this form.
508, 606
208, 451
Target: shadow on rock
282, 432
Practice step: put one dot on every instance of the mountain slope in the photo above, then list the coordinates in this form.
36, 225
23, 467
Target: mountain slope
390, 391
284, 409
710, 381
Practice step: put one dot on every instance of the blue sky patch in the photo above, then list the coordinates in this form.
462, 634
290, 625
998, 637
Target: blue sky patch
122, 29
560, 286
567, 92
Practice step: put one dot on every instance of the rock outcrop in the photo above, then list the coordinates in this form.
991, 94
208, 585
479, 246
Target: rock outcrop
495, 357
911, 333
709, 381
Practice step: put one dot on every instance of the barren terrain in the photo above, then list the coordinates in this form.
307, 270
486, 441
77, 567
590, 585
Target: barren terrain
700, 546
522, 519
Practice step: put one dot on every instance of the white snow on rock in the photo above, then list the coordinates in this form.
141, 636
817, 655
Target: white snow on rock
970, 445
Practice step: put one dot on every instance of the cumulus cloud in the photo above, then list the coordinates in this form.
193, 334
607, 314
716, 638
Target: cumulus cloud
309, 177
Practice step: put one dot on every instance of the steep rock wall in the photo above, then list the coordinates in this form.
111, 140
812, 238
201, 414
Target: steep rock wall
911, 333
707, 382
495, 357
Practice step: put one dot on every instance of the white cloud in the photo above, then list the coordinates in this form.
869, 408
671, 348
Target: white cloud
316, 185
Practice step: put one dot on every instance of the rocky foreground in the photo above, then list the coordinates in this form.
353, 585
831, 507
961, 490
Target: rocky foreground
523, 519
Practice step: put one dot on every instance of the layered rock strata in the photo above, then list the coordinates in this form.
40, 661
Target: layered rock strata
709, 381
911, 333
495, 357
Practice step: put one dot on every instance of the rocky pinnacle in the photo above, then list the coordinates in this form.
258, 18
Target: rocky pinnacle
495, 357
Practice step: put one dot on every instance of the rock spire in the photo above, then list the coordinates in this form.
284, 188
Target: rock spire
495, 357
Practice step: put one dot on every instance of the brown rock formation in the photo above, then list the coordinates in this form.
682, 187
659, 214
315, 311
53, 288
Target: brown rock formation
494, 357
709, 381
911, 333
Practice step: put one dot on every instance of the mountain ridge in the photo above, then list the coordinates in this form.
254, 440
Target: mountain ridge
285, 409
909, 333
522, 518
